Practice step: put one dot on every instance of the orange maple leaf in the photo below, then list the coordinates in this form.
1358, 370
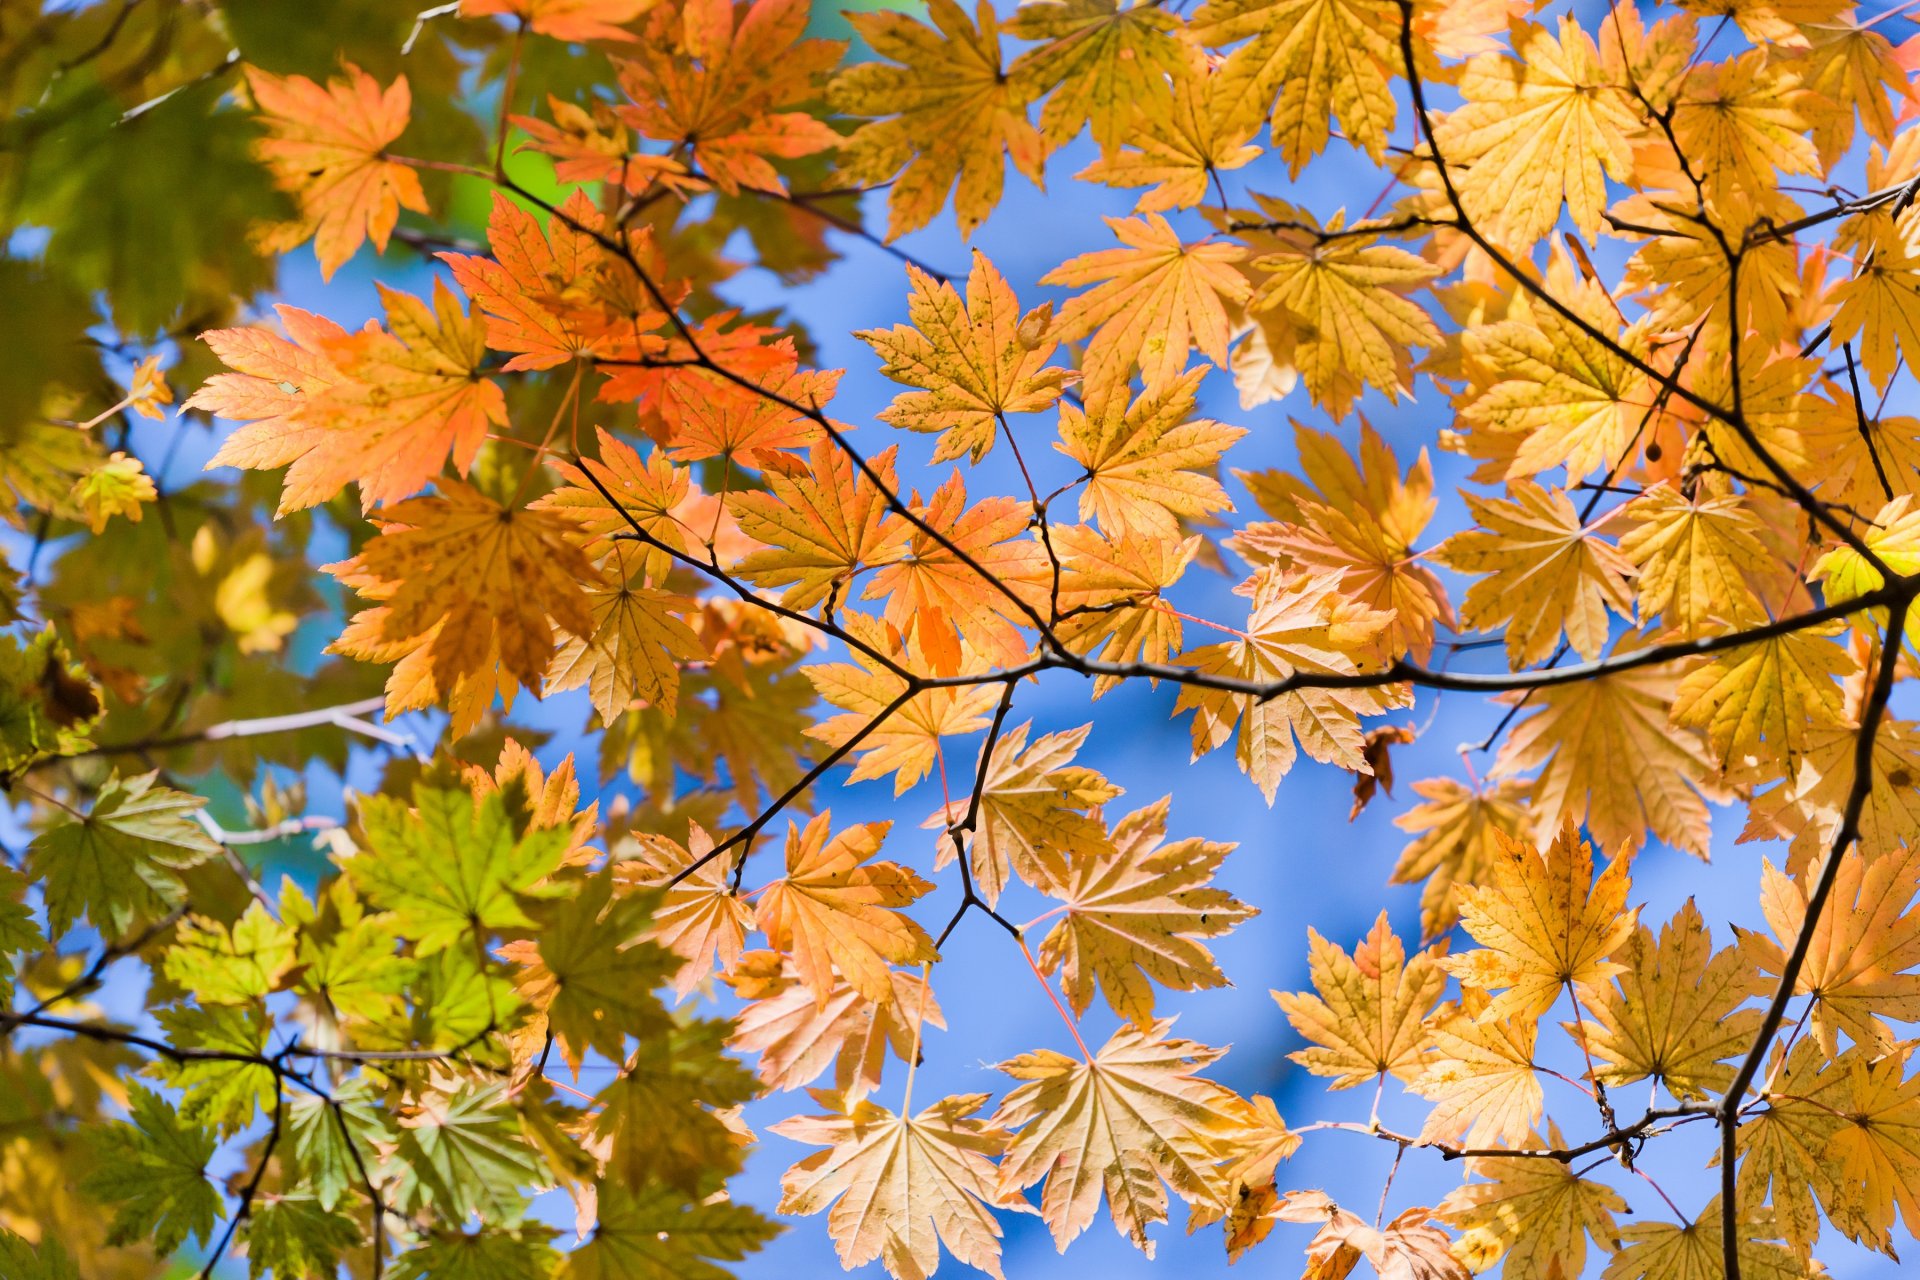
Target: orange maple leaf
327, 147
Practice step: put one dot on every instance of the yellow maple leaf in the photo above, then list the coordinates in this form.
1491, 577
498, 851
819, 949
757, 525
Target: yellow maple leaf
1134, 1116
1532, 1215
1177, 150
1543, 922
1297, 623
1134, 917
1148, 460
889, 1177
700, 919
1545, 123
1545, 573
1766, 702
797, 1037
1110, 597
1674, 1014
905, 743
948, 111
1038, 813
1739, 127
1859, 954
468, 582
1368, 1018
1575, 400
1609, 758
1098, 64
976, 361
835, 911
1697, 1250
1346, 300
1696, 557
821, 526
1479, 1076
1150, 302
1309, 61
1454, 844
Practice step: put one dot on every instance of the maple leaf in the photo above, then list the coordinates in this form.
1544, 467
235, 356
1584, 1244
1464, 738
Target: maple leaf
327, 147
1738, 126
1134, 917
1542, 922
1767, 701
1098, 64
658, 1233
1410, 1246
1546, 574
1480, 1076
906, 742
699, 919
820, 527
221, 964
464, 578
1674, 1014
1297, 624
553, 295
833, 911
1150, 302
1361, 522
572, 20
1609, 759
797, 1037
385, 408
709, 77
1175, 151
947, 113
633, 653
1546, 122
1534, 1214
648, 493
976, 361
1111, 596
1147, 459
1345, 298
1575, 397
452, 864
1881, 304
1133, 1116
591, 974
1697, 1250
1858, 955
155, 1165
123, 858
1456, 843
889, 1177
1696, 558
1038, 814
1312, 61
1366, 1021
935, 592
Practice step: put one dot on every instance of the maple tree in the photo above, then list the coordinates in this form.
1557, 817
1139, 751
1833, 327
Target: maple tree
385, 389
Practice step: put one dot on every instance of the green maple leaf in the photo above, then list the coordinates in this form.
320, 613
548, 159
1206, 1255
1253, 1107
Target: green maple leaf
123, 859
155, 1168
523, 1253
659, 1234
18, 932
452, 865
320, 1137
21, 1261
231, 964
225, 1094
295, 1236
658, 1113
47, 704
466, 1154
595, 979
